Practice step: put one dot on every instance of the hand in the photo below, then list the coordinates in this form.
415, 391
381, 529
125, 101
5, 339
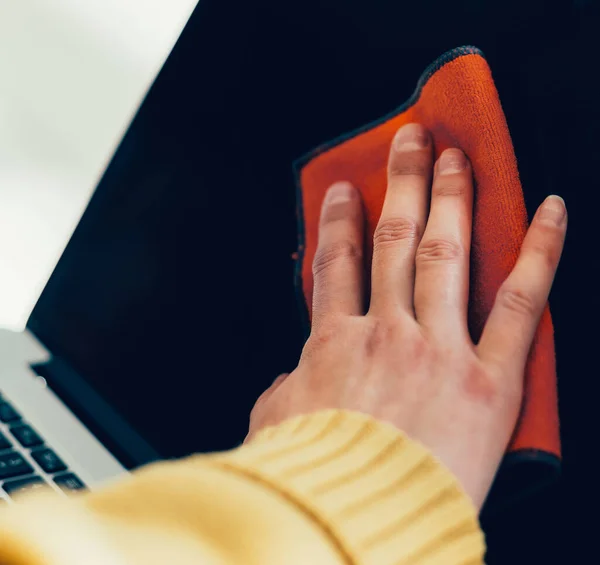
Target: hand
410, 360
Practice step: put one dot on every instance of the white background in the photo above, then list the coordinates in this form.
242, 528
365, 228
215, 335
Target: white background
72, 75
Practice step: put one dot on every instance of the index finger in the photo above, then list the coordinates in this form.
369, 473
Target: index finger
512, 323
337, 265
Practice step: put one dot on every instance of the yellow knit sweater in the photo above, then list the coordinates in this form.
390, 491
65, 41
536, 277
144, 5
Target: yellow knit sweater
330, 488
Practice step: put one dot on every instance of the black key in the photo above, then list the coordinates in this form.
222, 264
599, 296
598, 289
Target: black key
48, 460
69, 483
26, 436
12, 464
8, 413
20, 486
4, 443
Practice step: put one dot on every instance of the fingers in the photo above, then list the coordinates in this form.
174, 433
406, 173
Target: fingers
442, 258
402, 220
337, 266
512, 323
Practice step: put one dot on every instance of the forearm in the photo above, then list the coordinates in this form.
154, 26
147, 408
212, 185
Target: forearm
330, 488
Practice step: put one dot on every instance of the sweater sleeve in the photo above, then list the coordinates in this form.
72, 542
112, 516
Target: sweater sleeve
329, 488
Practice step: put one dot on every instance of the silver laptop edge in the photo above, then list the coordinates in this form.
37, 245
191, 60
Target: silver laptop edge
73, 442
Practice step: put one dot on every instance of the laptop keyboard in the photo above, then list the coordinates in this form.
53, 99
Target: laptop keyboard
27, 463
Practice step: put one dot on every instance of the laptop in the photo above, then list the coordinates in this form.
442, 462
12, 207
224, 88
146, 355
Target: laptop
105, 376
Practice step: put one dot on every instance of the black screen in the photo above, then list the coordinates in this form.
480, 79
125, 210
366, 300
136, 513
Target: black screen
174, 298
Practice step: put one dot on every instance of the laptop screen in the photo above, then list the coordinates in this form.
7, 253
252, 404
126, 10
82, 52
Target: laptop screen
72, 77
174, 299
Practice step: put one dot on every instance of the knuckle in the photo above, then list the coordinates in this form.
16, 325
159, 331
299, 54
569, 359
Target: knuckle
326, 332
378, 333
395, 230
439, 251
517, 301
330, 255
323, 334
492, 388
478, 385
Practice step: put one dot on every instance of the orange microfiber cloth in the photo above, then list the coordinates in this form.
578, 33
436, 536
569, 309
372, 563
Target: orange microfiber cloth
457, 101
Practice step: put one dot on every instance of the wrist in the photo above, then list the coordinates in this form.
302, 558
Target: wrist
375, 491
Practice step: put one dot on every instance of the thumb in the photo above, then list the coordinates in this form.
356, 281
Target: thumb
260, 401
267, 393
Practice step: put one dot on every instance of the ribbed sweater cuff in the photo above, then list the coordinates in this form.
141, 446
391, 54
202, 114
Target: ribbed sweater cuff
383, 498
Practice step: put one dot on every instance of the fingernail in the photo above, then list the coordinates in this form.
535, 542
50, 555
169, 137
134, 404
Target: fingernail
452, 161
339, 192
553, 210
411, 137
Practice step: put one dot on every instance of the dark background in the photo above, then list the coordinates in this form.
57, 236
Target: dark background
184, 310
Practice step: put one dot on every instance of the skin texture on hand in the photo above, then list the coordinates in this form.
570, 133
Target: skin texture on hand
409, 360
